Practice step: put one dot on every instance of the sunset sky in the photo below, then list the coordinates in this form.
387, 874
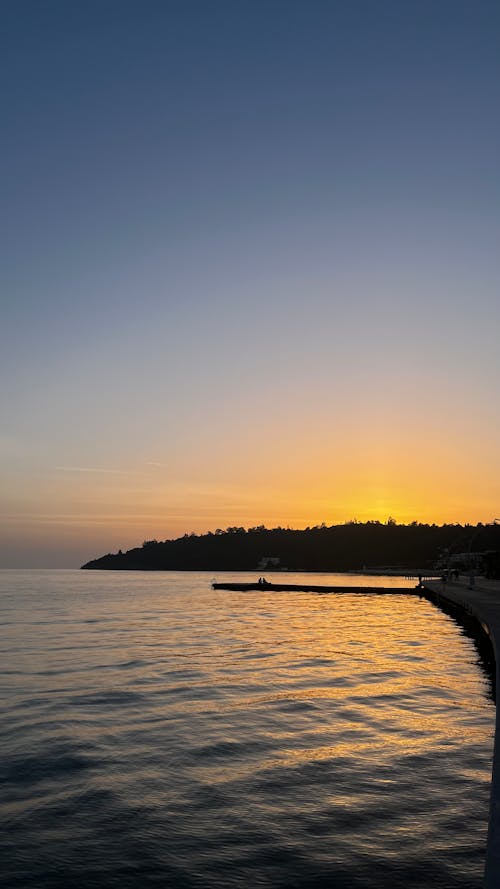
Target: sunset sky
250, 268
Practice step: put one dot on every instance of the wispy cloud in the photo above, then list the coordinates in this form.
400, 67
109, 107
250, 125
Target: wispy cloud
89, 469
154, 463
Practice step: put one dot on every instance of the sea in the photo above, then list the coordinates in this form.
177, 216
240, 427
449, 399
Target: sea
158, 733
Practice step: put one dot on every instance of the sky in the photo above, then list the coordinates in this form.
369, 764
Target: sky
249, 268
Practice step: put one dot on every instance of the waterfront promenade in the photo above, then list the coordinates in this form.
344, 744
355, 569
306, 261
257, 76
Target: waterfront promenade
482, 601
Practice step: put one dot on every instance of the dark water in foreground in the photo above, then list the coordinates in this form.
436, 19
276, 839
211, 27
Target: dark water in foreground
159, 734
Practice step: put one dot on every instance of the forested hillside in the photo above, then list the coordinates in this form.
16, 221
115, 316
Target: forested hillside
323, 548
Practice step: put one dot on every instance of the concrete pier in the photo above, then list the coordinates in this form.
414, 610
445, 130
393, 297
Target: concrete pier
308, 588
481, 599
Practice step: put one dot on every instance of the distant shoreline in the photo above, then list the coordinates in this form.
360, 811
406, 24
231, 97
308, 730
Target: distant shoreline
369, 548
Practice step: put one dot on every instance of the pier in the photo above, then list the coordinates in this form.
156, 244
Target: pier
481, 599
309, 588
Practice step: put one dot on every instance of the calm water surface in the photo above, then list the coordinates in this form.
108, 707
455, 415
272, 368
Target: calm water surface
159, 734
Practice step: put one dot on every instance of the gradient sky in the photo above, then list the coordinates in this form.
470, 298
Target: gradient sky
250, 268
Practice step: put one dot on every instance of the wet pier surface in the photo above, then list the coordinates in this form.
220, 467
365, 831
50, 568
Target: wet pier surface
481, 600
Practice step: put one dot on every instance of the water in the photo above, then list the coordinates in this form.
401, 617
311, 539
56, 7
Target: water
160, 734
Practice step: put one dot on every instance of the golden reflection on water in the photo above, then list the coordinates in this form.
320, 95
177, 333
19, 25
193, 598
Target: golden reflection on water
385, 670
344, 725
382, 675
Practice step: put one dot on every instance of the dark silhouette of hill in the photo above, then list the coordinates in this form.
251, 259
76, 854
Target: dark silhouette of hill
347, 547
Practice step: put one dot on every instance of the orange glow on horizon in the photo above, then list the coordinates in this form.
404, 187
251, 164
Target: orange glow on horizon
296, 477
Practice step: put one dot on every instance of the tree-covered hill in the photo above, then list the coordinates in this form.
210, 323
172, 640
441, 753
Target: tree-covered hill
323, 548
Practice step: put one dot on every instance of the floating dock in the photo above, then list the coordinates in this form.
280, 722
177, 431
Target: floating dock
310, 588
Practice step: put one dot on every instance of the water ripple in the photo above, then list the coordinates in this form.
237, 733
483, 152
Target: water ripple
160, 734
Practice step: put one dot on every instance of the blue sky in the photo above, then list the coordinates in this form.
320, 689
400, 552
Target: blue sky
249, 268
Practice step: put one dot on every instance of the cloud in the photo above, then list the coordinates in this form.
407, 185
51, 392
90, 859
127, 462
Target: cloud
89, 469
